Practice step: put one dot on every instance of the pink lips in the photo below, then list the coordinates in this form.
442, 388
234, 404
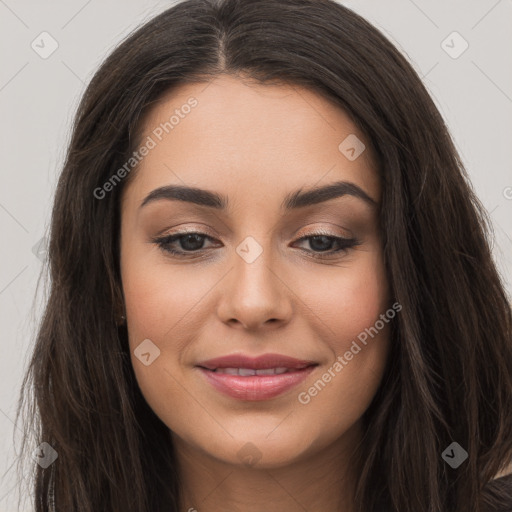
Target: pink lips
259, 378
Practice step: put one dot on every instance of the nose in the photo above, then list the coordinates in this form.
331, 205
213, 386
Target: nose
255, 294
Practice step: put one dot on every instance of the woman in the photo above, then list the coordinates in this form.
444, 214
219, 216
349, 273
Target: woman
271, 281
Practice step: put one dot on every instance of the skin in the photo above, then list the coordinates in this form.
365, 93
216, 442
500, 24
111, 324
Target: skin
254, 144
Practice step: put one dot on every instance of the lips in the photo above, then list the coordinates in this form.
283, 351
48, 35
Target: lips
245, 372
259, 378
263, 362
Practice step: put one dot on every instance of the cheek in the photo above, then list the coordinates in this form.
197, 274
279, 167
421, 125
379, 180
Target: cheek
159, 302
166, 305
350, 305
159, 297
352, 300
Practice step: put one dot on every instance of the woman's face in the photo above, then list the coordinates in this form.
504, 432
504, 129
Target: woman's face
255, 282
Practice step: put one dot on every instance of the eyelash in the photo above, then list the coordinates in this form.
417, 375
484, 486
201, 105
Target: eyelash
164, 242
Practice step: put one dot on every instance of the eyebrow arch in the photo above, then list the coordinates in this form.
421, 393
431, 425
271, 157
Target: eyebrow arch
293, 200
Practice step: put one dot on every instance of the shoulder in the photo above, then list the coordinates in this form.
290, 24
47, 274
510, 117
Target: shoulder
499, 494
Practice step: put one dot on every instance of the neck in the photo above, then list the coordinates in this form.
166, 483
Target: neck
324, 481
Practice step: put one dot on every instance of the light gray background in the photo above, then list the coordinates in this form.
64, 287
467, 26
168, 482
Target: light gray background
38, 98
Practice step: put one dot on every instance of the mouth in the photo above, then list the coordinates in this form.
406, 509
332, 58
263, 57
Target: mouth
255, 379
247, 372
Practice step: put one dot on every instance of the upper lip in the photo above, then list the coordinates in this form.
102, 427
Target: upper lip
262, 362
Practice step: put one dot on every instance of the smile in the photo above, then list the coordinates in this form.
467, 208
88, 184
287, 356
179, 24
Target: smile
245, 372
255, 379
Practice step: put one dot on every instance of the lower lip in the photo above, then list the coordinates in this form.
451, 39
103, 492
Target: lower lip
255, 387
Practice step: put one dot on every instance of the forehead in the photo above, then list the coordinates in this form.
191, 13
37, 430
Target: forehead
257, 139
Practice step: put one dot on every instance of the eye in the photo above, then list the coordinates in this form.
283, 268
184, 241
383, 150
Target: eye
192, 244
322, 242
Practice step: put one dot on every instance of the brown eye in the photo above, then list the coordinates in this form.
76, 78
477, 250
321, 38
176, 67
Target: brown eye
189, 243
321, 243
192, 243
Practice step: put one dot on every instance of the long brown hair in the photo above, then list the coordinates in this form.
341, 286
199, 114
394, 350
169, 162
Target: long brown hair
449, 377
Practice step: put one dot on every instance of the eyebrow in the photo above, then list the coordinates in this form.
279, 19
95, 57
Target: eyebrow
298, 199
